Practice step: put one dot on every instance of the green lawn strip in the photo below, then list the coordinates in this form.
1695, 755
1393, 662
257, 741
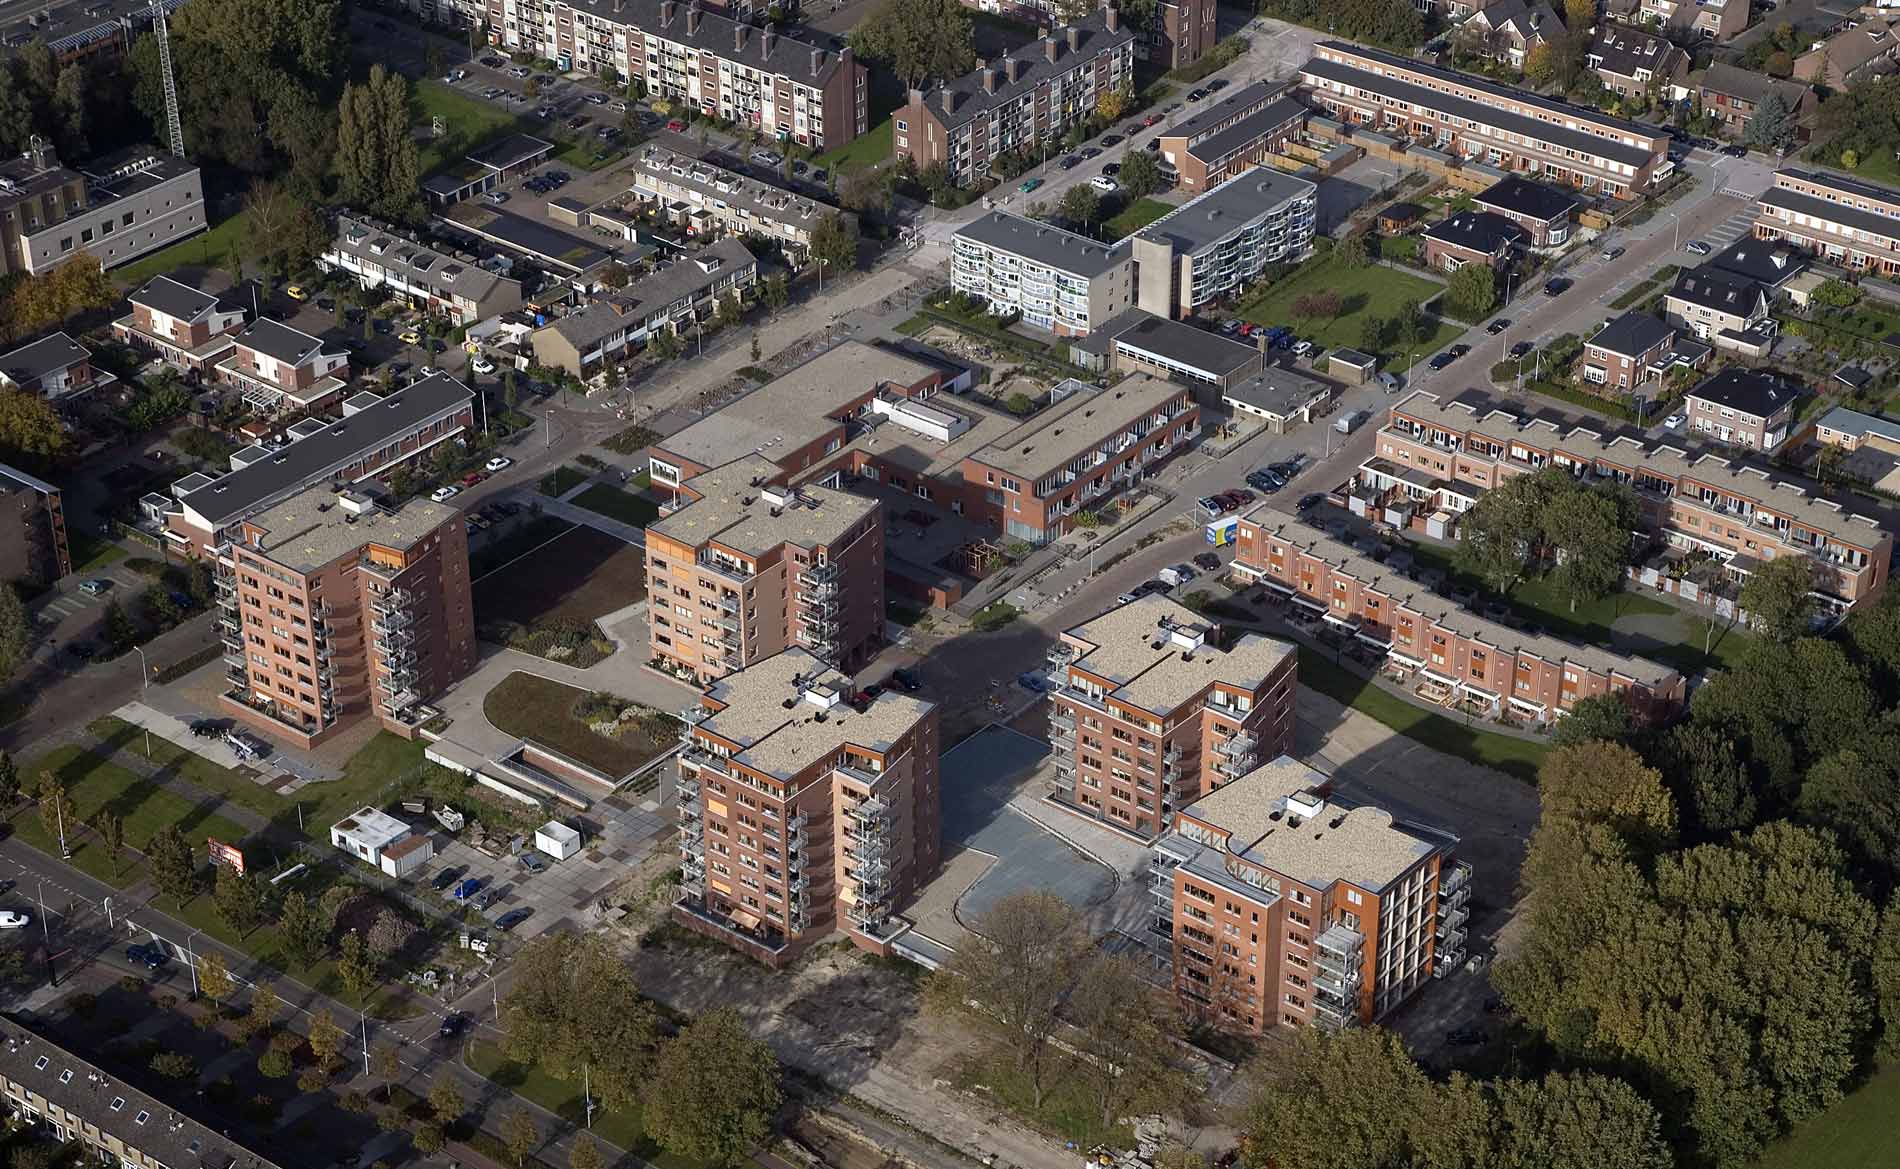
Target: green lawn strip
209, 249
537, 708
91, 553
467, 122
562, 480
1372, 291
624, 506
867, 149
96, 784
623, 1128
1513, 756
188, 765
381, 764
1850, 1135
1136, 216
1067, 1109
88, 854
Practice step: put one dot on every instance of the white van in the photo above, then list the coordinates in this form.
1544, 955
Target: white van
1350, 421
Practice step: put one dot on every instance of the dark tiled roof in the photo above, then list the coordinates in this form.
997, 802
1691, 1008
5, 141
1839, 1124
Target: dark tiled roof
1226, 108
1770, 263
1217, 146
1883, 225
1044, 243
1622, 50
968, 98
1477, 231
279, 341
30, 363
1747, 392
1520, 196
1717, 290
514, 150
1751, 87
1632, 333
162, 294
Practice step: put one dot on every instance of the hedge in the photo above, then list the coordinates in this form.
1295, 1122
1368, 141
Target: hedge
183, 666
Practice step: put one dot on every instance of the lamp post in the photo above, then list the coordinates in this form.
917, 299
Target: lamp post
821, 276
191, 959
1677, 217
145, 671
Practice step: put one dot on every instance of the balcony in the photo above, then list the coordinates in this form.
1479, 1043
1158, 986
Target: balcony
1449, 923
393, 601
1235, 766
1062, 720
1236, 746
870, 812
1161, 884
394, 640
1454, 900
688, 787
1339, 948
1330, 1014
1454, 879
391, 623
729, 602
735, 574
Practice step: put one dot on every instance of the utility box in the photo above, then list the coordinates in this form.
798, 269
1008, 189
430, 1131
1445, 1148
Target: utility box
557, 840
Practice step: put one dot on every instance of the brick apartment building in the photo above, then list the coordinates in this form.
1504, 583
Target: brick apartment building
332, 609
1182, 32
55, 367
1503, 127
1281, 905
1745, 408
1633, 63
1022, 103
1084, 447
375, 435
188, 328
1633, 350
806, 88
1842, 221
1149, 715
707, 200
33, 545
802, 815
1431, 453
385, 258
742, 567
1230, 135
1533, 676
1731, 95
281, 370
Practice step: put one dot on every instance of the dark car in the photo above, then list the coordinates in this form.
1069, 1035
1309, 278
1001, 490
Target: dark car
534, 862
1112, 169
907, 679
1207, 560
513, 918
204, 728
1735, 151
1089, 152
1311, 500
150, 957
1557, 286
453, 1024
1459, 350
444, 879
1442, 360
468, 888
1521, 348
488, 899
1216, 85
1196, 94
1498, 326
1112, 140
1071, 162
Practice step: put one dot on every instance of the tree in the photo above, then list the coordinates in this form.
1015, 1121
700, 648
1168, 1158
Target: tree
1111, 103
355, 965
1579, 15
1836, 294
376, 160
584, 1153
573, 1004
1362, 1081
729, 312
1593, 546
1777, 596
1019, 966
174, 865
1578, 1121
1501, 536
1472, 292
116, 625
274, 1063
445, 1101
1602, 718
301, 930
1773, 125
520, 1134
174, 1065
1019, 403
919, 40
263, 1013
774, 292
30, 429
1540, 64
1372, 333
714, 1091
111, 829
756, 351
1413, 327
57, 812
15, 632
214, 977
664, 345
1353, 252
387, 935
387, 1066
1708, 778
240, 898
1080, 205
835, 242
1123, 1031
326, 1040
9, 781
1140, 174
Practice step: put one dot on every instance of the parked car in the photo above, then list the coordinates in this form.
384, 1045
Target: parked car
444, 494
410, 337
1151, 120
1176, 574
1675, 421
1351, 420
1391, 381
1211, 507
1612, 253
534, 862
482, 364
1522, 348
515, 917
1070, 162
1696, 247
498, 463
13, 919
204, 728
1110, 141
296, 292
467, 889
496, 197
1195, 95
1458, 350
96, 587
1208, 561
150, 957
1441, 360
444, 879
1033, 682
1302, 348
1498, 326
1557, 286
907, 679
1310, 500
1029, 185
1216, 85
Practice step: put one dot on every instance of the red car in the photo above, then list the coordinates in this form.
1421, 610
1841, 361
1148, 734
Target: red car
1151, 119
472, 478
677, 126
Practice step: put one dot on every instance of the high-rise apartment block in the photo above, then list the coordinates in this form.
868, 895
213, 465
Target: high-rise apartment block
33, 545
1283, 906
333, 609
743, 566
801, 814
1149, 715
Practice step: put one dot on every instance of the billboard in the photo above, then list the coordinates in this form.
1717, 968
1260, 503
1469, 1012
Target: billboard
225, 854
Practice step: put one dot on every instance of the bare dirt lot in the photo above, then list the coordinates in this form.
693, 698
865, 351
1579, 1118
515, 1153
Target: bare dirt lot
582, 575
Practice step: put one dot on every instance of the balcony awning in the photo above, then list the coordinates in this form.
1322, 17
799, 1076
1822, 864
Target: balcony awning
1342, 622
1480, 691
745, 919
1441, 679
1527, 704
1373, 641
1306, 602
1405, 659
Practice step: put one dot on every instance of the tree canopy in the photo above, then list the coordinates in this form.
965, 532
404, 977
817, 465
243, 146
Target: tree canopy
918, 40
714, 1091
1549, 521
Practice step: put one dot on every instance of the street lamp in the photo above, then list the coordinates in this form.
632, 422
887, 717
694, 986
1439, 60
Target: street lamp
145, 671
1677, 217
191, 959
821, 276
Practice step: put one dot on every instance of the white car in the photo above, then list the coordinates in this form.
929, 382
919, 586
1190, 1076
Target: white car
483, 365
444, 494
13, 919
1104, 184
498, 463
1675, 421
1302, 348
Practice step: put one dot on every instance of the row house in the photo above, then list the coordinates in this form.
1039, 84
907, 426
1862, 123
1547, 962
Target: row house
1533, 676
1437, 457
1230, 135
1842, 221
1148, 715
1635, 350
804, 88
1065, 283
672, 298
332, 609
55, 367
801, 814
741, 566
1021, 104
1504, 127
1745, 408
1633, 63
393, 261
1731, 95
281, 370
1850, 56
1279, 905
188, 328
1708, 20
1086, 446
706, 200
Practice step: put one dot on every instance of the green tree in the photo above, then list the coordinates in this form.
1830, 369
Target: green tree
429, 1138
30, 430
301, 930
214, 976
1593, 545
1352, 251
445, 1101
1500, 537
1080, 205
376, 161
1777, 596
326, 1040
15, 632
1773, 125
1124, 1031
1019, 403
111, 828
1372, 333
174, 864
355, 965
58, 815
175, 1065
117, 627
1836, 294
240, 898
520, 1134
664, 345
583, 1153
573, 1005
274, 1064
714, 1091
836, 243
9, 782
1140, 174
774, 292
917, 40
1362, 1081
1599, 718
1472, 292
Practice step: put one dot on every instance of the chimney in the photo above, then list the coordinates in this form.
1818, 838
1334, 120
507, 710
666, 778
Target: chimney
1114, 19
916, 97
817, 61
1049, 48
989, 81
1042, 32
738, 37
765, 45
1075, 38
1012, 67
982, 62
667, 8
949, 101
692, 20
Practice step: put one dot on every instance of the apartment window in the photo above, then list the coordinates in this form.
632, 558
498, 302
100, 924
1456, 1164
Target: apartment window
66, 245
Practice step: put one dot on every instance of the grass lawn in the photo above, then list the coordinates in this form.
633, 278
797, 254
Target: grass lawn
1136, 216
188, 765
467, 122
207, 249
528, 1080
1847, 1136
95, 784
1372, 291
1513, 756
624, 506
91, 553
562, 480
583, 574
866, 150
1066, 1107
539, 709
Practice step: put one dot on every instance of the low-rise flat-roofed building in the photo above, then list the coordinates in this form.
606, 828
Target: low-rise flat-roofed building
1282, 906
1532, 676
189, 328
1141, 342
280, 370
1231, 134
1842, 221
707, 200
33, 546
382, 842
802, 815
1149, 713
55, 367
668, 299
574, 259
489, 167
1501, 126
743, 566
1216, 244
1085, 446
114, 208
381, 257
1277, 396
1065, 283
